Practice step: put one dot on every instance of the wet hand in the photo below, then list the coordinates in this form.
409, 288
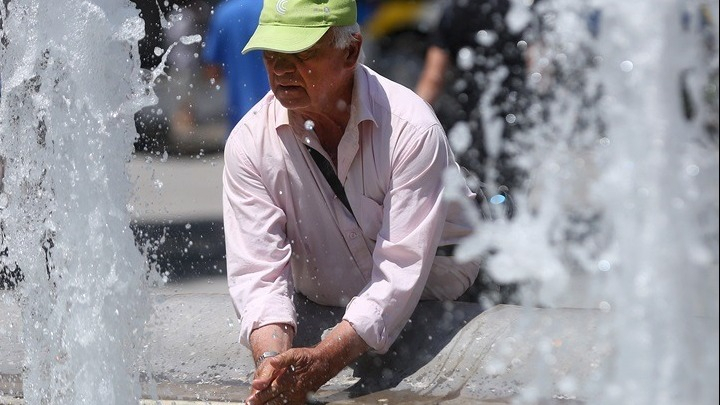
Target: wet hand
290, 377
265, 375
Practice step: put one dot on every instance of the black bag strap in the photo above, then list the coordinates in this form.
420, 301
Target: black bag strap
332, 178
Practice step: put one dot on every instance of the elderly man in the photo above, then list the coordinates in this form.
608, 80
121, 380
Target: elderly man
333, 188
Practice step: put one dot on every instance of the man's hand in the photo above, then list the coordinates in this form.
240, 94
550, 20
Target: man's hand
291, 376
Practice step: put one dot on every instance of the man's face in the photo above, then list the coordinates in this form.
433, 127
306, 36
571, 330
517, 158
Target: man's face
306, 80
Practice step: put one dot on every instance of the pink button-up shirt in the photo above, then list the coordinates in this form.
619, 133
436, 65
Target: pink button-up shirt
286, 231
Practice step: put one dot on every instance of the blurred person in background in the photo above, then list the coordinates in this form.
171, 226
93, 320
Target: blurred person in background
231, 25
365, 10
474, 75
182, 96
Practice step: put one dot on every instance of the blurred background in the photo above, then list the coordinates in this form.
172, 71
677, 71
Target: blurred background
191, 110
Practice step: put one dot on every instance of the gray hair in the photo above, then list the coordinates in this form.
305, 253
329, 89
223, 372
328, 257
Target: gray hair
343, 36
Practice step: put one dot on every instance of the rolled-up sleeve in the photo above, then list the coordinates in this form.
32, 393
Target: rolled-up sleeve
257, 249
413, 219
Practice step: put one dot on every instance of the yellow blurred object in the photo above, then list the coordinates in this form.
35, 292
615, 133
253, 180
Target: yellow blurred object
391, 16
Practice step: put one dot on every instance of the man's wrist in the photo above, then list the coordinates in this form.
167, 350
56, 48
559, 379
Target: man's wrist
265, 356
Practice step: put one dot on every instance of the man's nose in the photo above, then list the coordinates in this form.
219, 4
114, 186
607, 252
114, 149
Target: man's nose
281, 64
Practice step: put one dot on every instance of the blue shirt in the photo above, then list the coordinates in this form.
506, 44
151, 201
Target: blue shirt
231, 26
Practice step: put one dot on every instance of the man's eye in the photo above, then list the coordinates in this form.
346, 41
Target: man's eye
305, 55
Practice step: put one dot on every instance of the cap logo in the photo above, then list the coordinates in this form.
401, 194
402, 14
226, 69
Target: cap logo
281, 7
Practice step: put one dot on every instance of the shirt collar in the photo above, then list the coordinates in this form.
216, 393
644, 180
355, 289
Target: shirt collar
281, 115
361, 107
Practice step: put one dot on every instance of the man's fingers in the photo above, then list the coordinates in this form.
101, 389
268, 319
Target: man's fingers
271, 395
260, 384
262, 381
279, 386
265, 375
282, 361
261, 397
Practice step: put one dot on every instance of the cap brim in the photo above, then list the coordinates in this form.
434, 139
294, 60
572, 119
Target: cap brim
284, 39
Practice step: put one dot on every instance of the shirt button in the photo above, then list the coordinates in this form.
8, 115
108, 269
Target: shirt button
353, 235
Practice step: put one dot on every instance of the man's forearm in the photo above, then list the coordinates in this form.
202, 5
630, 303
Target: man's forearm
275, 337
342, 346
432, 77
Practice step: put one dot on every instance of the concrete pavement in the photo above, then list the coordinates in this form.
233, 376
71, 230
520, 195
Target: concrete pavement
178, 200
179, 189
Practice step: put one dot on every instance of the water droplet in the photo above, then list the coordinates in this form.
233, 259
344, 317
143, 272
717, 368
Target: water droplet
486, 38
191, 39
466, 58
497, 199
604, 265
460, 137
626, 66
309, 125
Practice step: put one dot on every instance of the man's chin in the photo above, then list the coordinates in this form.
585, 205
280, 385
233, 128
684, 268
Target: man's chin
291, 103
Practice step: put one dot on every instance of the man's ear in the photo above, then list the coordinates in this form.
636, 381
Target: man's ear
353, 51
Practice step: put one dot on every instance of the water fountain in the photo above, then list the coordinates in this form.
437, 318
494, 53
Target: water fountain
71, 84
629, 139
647, 173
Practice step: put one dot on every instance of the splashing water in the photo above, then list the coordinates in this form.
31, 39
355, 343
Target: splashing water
623, 188
71, 83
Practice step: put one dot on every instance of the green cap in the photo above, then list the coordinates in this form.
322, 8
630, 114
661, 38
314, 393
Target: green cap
291, 26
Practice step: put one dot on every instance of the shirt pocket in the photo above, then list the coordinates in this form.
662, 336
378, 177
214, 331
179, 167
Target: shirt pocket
370, 217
